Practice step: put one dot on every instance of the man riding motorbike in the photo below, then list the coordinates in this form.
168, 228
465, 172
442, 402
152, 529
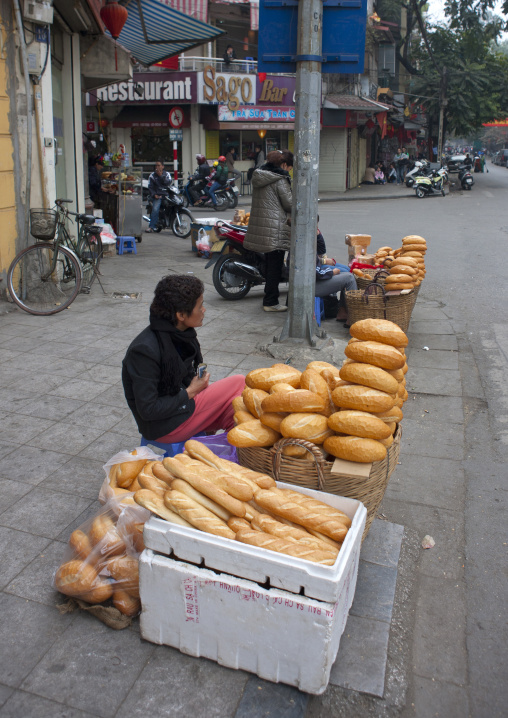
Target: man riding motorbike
220, 179
157, 183
200, 177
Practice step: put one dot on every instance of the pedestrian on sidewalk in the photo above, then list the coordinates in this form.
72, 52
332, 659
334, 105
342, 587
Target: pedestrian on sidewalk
157, 184
230, 161
370, 175
168, 400
268, 230
398, 160
392, 173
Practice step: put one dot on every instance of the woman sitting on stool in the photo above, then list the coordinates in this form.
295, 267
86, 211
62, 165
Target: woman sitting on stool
170, 403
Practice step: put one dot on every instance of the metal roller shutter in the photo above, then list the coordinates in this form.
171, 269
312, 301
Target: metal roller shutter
332, 160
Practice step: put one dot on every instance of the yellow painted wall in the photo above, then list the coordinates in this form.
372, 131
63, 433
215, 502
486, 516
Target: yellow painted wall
7, 195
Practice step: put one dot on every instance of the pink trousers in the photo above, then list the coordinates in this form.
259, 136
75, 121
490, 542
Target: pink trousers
213, 410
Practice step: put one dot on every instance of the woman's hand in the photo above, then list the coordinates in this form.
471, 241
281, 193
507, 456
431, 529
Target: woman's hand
197, 385
336, 270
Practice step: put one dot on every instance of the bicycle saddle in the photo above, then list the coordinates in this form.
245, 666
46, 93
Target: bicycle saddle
86, 218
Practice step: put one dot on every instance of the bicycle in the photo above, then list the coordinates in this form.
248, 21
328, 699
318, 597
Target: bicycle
46, 277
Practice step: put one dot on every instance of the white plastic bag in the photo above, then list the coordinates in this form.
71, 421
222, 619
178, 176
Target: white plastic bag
108, 235
203, 242
142, 452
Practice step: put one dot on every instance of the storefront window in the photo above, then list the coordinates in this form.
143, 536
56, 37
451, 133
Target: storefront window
245, 141
229, 139
151, 143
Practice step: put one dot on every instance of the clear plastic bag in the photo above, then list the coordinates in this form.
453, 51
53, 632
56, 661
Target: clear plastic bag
122, 487
218, 443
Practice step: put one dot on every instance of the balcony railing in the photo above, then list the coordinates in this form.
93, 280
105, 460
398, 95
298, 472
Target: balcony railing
197, 64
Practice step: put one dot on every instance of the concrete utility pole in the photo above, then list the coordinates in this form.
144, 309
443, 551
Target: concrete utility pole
299, 326
442, 104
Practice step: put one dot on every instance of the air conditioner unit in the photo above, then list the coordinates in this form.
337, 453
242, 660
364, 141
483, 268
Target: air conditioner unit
39, 11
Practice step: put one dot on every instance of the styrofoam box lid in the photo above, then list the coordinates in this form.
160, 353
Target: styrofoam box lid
258, 564
206, 220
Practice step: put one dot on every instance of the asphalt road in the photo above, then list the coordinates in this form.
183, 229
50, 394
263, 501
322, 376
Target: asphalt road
466, 263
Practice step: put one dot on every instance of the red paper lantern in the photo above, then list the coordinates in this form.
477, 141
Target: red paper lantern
262, 76
114, 17
103, 123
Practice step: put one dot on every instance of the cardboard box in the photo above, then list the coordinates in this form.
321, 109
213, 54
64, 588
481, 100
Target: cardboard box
273, 569
206, 223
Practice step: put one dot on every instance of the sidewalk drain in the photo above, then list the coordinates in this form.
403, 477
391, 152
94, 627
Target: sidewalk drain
127, 295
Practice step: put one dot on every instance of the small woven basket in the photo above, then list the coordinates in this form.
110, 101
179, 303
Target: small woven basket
43, 223
375, 275
372, 303
317, 474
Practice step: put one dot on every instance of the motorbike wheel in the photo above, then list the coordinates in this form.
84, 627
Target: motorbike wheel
232, 200
442, 193
420, 192
221, 284
185, 200
183, 228
158, 228
221, 202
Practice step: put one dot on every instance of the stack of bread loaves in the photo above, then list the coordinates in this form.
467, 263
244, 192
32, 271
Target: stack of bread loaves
199, 490
370, 392
407, 264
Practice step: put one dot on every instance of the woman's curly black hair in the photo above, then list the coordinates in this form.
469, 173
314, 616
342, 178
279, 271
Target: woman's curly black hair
176, 293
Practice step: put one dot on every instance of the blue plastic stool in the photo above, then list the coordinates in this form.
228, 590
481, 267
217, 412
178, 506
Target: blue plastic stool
319, 309
169, 449
126, 245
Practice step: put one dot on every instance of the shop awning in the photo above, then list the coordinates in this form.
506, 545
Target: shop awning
154, 31
354, 102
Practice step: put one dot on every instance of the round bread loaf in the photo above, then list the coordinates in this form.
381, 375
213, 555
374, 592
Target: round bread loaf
405, 269
362, 398
399, 287
300, 400
100, 592
415, 248
414, 238
354, 448
378, 330
413, 253
397, 373
387, 442
281, 387
396, 277
81, 543
376, 353
253, 433
75, 577
359, 423
368, 375
266, 378
126, 604
296, 452
312, 427
406, 261
272, 419
253, 399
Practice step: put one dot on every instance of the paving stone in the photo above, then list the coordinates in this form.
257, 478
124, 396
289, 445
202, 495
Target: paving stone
383, 542
423, 312
435, 359
6, 448
11, 491
98, 416
31, 465
66, 367
218, 372
43, 512
114, 396
253, 362
66, 438
447, 557
27, 631
21, 429
433, 439
12, 399
20, 343
5, 692
79, 477
442, 326
434, 698
440, 605
17, 549
78, 389
31, 706
223, 359
432, 482
97, 355
37, 383
11, 374
56, 348
361, 660
50, 407
90, 667
375, 591
443, 382
150, 696
110, 444
35, 580
261, 698
428, 408
432, 340
127, 425
103, 373
91, 510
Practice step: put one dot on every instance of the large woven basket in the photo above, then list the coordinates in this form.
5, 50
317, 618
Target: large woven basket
372, 303
374, 275
317, 474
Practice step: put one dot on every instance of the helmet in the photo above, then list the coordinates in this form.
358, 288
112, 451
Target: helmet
215, 164
201, 159
222, 158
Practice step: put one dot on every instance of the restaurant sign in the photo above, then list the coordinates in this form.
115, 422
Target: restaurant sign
229, 89
256, 113
149, 88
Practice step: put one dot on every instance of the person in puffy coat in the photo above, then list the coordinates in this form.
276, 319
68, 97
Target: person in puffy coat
269, 231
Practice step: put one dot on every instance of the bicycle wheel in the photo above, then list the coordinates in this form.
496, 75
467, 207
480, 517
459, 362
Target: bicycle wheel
89, 251
44, 279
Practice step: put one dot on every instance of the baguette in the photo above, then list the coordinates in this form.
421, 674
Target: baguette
80, 543
153, 484
241, 416
127, 471
253, 399
290, 548
277, 528
185, 488
199, 451
354, 448
382, 355
371, 376
312, 427
254, 433
272, 419
359, 423
276, 374
197, 515
316, 505
280, 505
313, 381
362, 398
239, 404
235, 486
282, 386
235, 524
300, 400
210, 489
157, 506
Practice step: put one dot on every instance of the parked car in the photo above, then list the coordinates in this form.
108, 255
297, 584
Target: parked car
454, 162
502, 159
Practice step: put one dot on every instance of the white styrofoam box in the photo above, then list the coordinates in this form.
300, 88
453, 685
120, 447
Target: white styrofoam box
259, 564
274, 634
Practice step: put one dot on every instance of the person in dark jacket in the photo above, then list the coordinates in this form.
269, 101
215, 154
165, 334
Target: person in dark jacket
269, 231
200, 178
331, 279
169, 402
229, 56
219, 180
95, 168
157, 183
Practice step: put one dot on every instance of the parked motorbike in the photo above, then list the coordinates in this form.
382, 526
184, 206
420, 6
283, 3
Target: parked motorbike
232, 193
432, 185
235, 274
172, 214
465, 177
420, 169
204, 200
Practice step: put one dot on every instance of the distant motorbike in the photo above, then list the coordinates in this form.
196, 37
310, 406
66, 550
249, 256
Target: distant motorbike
232, 193
465, 177
172, 214
432, 185
204, 199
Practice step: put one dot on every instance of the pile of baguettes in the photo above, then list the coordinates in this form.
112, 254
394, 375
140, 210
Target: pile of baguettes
199, 490
352, 412
406, 264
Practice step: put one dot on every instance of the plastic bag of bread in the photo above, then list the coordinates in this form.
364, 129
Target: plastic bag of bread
121, 471
100, 563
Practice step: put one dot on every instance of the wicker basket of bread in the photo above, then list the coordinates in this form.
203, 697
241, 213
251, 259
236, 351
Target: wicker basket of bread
292, 425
